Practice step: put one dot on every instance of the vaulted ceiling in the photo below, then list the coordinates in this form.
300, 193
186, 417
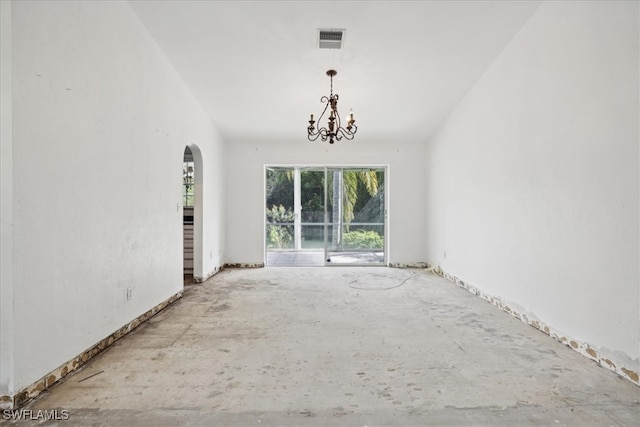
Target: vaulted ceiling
256, 68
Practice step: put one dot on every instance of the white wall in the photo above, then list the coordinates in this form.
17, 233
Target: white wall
100, 123
532, 183
210, 210
245, 197
6, 214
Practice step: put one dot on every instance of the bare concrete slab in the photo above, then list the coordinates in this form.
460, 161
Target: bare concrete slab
339, 346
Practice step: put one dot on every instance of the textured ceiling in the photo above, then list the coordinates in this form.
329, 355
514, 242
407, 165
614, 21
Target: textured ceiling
256, 69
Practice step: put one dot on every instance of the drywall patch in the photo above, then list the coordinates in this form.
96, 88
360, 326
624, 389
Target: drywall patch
57, 374
583, 348
245, 265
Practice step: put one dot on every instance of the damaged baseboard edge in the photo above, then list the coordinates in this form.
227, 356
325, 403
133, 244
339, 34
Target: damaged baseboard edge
33, 390
209, 275
582, 348
408, 265
245, 265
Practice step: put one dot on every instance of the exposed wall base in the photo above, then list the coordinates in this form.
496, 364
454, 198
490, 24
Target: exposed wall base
408, 265
581, 347
391, 264
245, 265
28, 393
202, 279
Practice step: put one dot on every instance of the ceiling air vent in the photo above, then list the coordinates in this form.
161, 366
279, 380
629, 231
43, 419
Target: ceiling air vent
330, 39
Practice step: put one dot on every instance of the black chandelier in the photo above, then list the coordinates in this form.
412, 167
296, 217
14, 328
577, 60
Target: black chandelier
334, 131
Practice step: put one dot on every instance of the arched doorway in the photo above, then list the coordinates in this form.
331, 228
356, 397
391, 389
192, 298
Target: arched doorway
192, 213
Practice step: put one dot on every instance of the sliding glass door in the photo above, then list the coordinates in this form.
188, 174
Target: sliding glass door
325, 216
356, 216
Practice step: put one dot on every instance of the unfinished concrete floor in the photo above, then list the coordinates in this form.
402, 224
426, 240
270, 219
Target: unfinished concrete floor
339, 346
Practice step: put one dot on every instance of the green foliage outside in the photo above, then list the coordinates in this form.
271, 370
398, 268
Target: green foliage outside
359, 185
361, 239
279, 187
280, 233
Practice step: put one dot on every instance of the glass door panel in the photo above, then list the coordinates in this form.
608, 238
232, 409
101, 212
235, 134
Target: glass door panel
280, 216
312, 208
356, 216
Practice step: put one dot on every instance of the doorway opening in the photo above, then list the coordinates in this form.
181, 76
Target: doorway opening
192, 213
188, 198
317, 216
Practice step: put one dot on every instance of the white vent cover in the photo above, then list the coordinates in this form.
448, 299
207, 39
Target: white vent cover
330, 39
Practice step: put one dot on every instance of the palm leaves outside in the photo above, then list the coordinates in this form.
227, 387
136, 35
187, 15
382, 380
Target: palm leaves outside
351, 180
356, 188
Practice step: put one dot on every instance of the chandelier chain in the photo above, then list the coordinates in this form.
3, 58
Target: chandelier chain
331, 91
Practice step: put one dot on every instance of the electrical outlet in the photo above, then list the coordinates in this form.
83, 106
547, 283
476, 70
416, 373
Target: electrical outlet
129, 294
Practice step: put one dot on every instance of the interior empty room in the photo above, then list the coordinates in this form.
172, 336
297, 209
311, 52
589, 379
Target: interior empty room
320, 212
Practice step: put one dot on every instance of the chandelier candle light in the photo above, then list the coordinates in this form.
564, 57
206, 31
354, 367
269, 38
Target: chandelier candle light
333, 131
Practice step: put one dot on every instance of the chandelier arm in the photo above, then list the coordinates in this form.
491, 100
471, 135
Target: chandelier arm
325, 101
345, 134
340, 131
348, 131
322, 133
312, 135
